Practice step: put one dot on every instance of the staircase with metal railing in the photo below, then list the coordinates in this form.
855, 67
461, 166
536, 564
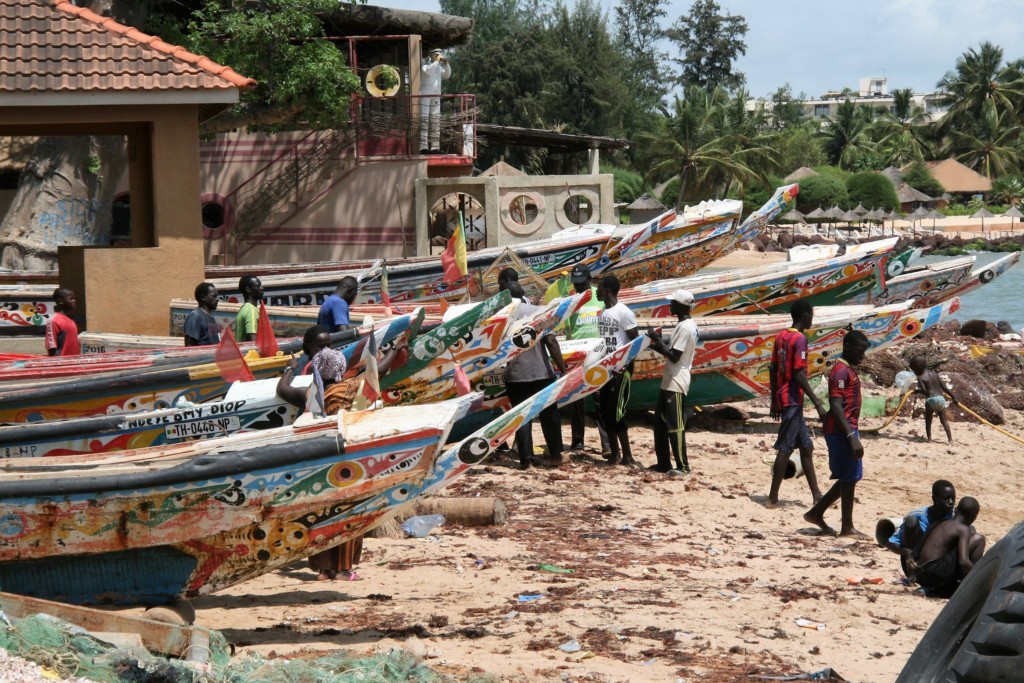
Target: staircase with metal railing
284, 180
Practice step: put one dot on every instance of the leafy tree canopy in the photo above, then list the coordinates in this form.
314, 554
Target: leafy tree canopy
920, 178
799, 146
871, 190
821, 191
303, 79
709, 42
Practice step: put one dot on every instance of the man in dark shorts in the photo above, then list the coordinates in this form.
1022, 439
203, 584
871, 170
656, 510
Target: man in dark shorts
845, 452
949, 551
788, 383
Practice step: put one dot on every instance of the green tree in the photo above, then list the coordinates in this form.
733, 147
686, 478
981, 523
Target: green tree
799, 146
980, 77
302, 78
690, 144
920, 178
1009, 189
638, 35
902, 132
846, 134
629, 185
821, 191
991, 145
708, 42
872, 190
786, 111
585, 78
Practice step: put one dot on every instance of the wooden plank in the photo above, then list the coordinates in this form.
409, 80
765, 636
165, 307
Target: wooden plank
185, 642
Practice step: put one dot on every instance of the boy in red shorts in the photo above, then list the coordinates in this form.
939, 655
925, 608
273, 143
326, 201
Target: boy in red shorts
845, 452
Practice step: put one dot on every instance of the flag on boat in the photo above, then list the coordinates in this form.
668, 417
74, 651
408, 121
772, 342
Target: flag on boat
453, 259
462, 386
385, 297
230, 363
266, 342
371, 375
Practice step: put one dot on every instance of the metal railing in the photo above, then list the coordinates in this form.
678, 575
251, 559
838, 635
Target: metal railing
391, 126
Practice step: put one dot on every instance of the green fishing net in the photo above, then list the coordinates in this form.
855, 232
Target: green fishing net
72, 652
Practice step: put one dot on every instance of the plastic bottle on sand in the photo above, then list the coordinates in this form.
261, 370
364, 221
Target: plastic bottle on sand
420, 527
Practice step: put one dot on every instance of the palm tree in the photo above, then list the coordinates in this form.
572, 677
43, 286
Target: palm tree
991, 146
981, 77
702, 143
902, 131
847, 134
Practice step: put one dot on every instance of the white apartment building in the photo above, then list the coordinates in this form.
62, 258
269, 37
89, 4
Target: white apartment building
872, 91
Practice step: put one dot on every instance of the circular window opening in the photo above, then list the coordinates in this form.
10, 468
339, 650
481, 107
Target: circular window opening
578, 209
522, 209
213, 215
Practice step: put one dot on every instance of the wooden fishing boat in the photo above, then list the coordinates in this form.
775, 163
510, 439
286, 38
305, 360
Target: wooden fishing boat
35, 369
937, 282
155, 387
150, 526
493, 343
247, 406
734, 352
828, 282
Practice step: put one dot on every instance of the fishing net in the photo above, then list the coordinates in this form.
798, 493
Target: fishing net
70, 651
533, 284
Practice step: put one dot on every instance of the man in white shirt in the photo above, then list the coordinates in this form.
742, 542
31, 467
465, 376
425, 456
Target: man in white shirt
669, 418
618, 327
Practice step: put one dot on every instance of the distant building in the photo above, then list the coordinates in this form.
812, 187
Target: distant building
872, 92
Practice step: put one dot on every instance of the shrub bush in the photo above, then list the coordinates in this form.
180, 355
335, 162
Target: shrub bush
758, 194
920, 178
872, 190
821, 191
629, 185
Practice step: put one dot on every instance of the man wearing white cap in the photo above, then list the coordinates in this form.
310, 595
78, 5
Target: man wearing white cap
669, 418
435, 70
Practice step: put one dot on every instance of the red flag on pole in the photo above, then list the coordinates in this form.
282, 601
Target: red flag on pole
230, 362
266, 343
453, 258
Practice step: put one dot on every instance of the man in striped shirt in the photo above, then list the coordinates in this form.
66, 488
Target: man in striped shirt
789, 384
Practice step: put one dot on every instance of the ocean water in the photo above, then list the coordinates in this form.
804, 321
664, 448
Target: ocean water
998, 300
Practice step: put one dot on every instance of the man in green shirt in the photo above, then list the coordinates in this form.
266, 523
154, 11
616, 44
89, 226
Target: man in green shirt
249, 314
583, 325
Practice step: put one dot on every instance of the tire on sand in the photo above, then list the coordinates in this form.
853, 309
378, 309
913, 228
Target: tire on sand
979, 634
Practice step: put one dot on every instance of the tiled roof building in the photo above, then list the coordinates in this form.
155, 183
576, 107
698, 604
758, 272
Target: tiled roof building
51, 47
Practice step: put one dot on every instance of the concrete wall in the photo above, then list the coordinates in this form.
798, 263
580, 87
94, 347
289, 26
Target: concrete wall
351, 211
497, 193
128, 289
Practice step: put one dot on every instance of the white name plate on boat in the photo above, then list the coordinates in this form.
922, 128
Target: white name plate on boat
189, 430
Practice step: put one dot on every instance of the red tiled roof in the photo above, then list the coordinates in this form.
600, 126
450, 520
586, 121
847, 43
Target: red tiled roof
54, 46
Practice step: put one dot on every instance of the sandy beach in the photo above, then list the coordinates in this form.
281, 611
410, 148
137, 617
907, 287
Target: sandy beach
672, 579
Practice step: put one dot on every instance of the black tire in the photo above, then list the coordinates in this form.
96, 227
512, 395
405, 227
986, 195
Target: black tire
978, 637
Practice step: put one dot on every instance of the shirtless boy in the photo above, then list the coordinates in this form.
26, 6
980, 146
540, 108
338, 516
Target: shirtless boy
949, 551
930, 385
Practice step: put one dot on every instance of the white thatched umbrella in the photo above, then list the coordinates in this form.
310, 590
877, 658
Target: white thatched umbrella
934, 214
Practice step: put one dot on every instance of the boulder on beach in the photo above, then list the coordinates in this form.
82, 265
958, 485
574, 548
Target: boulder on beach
982, 329
972, 393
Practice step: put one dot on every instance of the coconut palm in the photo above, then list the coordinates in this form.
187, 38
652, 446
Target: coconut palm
847, 134
979, 77
991, 146
704, 146
902, 132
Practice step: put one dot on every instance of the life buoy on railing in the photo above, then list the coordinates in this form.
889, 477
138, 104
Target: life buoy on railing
383, 80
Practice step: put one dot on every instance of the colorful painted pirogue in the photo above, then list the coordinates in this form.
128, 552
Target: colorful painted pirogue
247, 406
147, 527
733, 352
149, 388
937, 282
493, 343
766, 290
